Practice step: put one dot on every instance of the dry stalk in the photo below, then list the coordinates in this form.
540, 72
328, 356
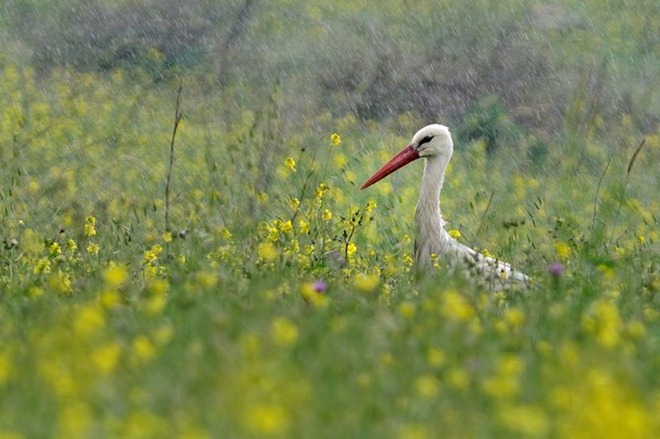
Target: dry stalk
168, 181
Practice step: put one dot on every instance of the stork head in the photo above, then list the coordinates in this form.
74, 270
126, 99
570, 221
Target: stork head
431, 141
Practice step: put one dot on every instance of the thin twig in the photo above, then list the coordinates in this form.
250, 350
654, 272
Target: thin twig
631, 162
600, 181
634, 156
168, 181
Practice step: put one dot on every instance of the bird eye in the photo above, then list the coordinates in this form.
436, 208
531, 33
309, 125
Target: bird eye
426, 139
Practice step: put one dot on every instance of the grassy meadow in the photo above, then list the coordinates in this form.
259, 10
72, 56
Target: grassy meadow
266, 295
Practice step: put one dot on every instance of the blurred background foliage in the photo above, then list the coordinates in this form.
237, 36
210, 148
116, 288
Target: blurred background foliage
437, 60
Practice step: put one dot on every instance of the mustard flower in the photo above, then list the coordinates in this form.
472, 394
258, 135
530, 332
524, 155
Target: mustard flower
42, 266
366, 283
272, 233
335, 139
562, 250
267, 252
371, 205
90, 226
143, 348
327, 215
225, 234
71, 245
106, 356
303, 226
290, 164
285, 227
151, 255
454, 233
435, 357
93, 249
456, 308
267, 419
339, 161
312, 293
320, 190
55, 249
284, 332
115, 275
427, 386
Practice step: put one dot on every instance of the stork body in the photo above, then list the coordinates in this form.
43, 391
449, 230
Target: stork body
435, 145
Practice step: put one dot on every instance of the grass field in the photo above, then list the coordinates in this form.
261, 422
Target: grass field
281, 300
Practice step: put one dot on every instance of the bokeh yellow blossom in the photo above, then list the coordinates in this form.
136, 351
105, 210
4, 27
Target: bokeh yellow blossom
290, 164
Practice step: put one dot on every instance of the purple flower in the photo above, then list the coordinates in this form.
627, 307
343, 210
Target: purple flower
556, 269
319, 286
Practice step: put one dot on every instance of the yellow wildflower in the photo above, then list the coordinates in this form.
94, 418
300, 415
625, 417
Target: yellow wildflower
285, 227
456, 308
42, 266
435, 357
335, 139
106, 356
303, 226
312, 295
455, 233
225, 234
115, 275
366, 283
60, 283
407, 310
89, 321
604, 322
284, 332
71, 245
562, 250
167, 237
93, 249
458, 378
526, 420
427, 386
290, 163
267, 252
327, 215
109, 299
487, 253
320, 190
90, 226
55, 249
267, 419
340, 160
143, 347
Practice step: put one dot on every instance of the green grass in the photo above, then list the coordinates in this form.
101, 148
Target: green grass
113, 326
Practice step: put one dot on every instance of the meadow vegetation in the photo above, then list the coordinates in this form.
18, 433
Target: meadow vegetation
279, 300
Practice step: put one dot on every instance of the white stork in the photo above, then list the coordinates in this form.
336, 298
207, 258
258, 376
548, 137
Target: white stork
434, 144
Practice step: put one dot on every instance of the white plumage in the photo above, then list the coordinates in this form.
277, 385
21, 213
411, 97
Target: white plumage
435, 145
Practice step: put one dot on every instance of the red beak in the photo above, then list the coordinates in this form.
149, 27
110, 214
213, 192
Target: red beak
407, 155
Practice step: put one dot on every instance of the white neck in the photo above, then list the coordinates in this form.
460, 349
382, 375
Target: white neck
431, 234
